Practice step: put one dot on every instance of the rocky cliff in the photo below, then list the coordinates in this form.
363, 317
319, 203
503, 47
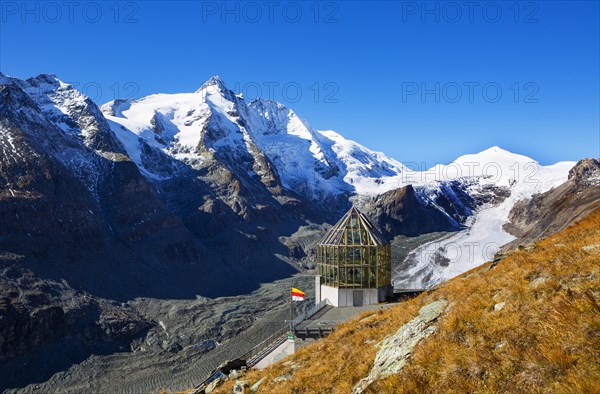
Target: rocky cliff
545, 214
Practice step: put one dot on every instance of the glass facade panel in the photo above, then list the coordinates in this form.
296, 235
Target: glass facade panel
354, 255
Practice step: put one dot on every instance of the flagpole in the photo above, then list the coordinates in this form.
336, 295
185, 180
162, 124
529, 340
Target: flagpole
291, 312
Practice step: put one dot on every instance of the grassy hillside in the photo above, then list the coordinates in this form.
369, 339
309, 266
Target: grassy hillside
545, 338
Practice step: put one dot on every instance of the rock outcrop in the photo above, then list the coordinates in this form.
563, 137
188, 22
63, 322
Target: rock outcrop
395, 349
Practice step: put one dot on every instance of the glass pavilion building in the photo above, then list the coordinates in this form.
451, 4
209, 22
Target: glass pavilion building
353, 263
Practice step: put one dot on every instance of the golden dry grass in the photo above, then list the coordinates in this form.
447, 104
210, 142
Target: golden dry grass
546, 339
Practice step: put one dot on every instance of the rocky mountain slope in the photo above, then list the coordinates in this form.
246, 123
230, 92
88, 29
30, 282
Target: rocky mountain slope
527, 324
549, 212
415, 210
66, 194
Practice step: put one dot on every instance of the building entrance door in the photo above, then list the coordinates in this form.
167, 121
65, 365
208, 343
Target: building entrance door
357, 298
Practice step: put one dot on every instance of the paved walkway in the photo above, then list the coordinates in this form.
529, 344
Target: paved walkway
329, 317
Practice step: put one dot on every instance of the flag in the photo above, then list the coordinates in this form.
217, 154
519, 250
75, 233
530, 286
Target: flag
297, 294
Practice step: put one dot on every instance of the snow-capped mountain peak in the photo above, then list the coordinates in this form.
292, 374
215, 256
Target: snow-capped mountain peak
495, 154
214, 82
493, 165
195, 126
261, 138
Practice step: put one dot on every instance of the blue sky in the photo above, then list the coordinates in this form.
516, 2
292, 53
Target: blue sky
422, 81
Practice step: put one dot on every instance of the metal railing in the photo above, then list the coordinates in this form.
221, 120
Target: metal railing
251, 362
259, 351
265, 344
314, 332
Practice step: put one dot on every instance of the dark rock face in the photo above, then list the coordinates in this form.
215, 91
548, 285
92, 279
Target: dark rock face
40, 319
401, 212
302, 244
586, 172
66, 203
412, 212
547, 213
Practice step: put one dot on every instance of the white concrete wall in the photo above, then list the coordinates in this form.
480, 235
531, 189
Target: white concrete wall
318, 284
330, 293
345, 297
280, 352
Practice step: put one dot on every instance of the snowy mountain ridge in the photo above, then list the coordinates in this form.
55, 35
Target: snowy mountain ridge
475, 192
266, 142
192, 126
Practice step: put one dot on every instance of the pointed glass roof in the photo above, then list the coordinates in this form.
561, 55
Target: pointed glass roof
353, 229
